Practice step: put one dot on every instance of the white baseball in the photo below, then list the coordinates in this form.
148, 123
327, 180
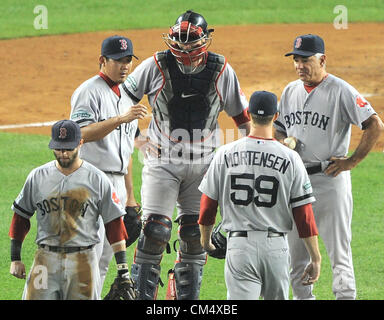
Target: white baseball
290, 142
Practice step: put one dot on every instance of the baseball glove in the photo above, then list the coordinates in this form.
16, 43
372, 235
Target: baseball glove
122, 288
133, 224
220, 242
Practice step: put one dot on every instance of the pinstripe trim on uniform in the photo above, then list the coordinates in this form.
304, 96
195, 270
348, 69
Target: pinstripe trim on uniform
22, 210
129, 93
293, 200
279, 124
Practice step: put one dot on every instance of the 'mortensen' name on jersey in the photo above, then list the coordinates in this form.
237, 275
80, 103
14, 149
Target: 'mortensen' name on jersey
257, 158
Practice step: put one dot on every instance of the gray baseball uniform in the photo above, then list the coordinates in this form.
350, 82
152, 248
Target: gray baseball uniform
67, 212
185, 109
322, 120
257, 182
94, 101
174, 174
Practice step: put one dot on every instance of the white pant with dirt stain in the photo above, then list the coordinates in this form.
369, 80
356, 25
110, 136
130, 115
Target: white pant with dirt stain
63, 276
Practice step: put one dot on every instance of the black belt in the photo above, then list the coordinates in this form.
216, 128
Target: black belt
244, 234
314, 169
65, 249
114, 172
190, 156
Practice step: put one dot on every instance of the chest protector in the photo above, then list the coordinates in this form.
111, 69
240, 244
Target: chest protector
188, 105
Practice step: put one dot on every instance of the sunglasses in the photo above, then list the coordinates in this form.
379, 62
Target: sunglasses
64, 150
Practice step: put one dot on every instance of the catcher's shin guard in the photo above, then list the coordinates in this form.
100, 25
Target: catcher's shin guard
146, 277
190, 261
188, 277
152, 242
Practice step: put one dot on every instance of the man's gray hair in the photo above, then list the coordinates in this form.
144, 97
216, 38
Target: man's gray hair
318, 56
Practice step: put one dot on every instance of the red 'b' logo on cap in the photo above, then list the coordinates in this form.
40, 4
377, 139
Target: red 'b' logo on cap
63, 133
124, 44
298, 43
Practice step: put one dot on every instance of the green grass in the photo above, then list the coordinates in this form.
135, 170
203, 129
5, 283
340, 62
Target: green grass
20, 153
72, 16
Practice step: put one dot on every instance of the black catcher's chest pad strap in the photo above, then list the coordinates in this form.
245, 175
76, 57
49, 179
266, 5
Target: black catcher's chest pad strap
190, 107
189, 83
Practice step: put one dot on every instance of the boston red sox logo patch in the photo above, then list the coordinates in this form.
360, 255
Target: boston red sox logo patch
115, 198
298, 43
63, 133
124, 44
361, 102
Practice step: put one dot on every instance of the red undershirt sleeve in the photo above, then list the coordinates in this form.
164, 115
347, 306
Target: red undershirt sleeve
208, 210
19, 227
305, 221
241, 118
115, 231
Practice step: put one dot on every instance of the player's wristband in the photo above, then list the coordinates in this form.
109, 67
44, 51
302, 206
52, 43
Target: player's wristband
121, 262
15, 250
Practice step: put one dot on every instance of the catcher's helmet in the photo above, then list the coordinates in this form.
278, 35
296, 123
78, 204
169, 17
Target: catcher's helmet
188, 40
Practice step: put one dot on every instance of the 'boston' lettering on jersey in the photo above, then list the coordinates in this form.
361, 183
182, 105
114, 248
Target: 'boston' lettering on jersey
307, 117
256, 158
62, 202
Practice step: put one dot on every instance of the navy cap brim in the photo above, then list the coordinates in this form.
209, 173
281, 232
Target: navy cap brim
63, 145
300, 53
120, 55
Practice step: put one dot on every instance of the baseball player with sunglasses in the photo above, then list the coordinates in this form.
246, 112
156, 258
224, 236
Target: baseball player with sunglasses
187, 87
68, 196
317, 112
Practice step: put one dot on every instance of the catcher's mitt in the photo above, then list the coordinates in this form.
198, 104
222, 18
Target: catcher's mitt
133, 224
122, 288
220, 242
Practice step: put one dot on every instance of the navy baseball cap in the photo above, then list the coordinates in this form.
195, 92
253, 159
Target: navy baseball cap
263, 103
66, 134
307, 45
117, 47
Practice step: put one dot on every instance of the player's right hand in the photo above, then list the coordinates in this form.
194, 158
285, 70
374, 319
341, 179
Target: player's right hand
147, 146
17, 269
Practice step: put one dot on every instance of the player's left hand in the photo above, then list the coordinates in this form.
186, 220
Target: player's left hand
122, 288
209, 247
311, 273
339, 165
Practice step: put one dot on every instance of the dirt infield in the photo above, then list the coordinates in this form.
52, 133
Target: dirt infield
40, 74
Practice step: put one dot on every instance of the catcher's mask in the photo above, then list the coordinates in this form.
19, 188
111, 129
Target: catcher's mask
189, 40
